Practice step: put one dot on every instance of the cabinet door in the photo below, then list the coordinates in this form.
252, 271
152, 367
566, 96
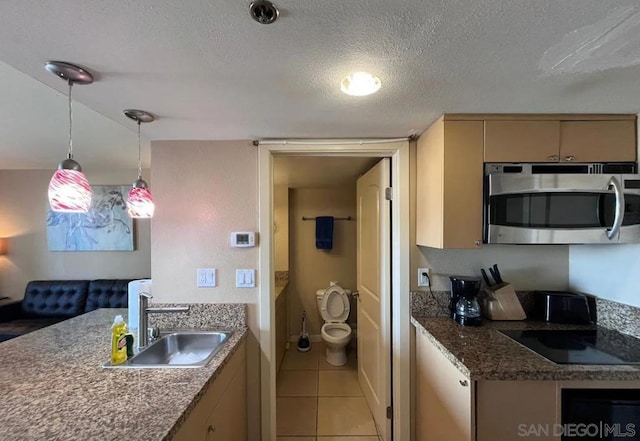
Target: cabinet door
521, 141
228, 421
196, 426
463, 178
598, 141
444, 397
517, 410
449, 185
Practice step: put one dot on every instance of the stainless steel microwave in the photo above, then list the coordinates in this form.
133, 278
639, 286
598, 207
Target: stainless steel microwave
561, 203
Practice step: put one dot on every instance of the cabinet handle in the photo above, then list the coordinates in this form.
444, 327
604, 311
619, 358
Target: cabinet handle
463, 383
478, 243
569, 158
553, 158
211, 429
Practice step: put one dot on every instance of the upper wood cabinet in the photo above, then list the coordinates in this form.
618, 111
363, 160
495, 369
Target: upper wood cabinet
449, 185
521, 141
598, 141
558, 138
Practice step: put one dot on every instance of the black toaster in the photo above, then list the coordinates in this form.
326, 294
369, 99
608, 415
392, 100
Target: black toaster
563, 307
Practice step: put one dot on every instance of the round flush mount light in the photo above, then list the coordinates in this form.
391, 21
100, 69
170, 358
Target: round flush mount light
360, 84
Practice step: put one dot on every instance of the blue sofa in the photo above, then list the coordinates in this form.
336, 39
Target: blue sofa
47, 302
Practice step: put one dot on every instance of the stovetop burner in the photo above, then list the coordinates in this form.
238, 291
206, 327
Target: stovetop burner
593, 346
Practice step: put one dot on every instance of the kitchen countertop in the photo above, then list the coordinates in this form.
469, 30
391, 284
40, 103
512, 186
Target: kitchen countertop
483, 353
280, 286
54, 388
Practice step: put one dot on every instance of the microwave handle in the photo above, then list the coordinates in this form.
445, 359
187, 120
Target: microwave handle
619, 210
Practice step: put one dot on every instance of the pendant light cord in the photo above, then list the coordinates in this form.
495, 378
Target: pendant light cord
139, 154
70, 155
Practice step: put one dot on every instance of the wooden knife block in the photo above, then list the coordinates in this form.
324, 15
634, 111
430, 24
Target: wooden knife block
500, 302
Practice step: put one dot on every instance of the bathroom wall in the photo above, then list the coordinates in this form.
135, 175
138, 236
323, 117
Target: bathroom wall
311, 269
281, 227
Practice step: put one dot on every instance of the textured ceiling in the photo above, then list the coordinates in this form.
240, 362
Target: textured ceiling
210, 72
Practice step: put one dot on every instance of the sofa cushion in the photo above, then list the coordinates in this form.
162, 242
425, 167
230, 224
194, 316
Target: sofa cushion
55, 298
107, 293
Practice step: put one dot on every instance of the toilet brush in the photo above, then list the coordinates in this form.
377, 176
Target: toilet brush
303, 342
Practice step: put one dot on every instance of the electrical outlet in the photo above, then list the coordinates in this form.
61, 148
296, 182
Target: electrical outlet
206, 278
424, 276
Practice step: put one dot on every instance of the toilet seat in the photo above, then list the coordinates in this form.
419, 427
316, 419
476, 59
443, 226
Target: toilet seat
335, 332
335, 307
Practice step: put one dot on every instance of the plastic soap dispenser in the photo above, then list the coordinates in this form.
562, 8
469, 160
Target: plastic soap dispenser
118, 341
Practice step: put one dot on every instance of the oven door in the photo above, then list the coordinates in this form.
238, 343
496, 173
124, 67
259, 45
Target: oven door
562, 209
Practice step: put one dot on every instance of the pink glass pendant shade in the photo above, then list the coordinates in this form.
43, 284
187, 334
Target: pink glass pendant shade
69, 191
140, 202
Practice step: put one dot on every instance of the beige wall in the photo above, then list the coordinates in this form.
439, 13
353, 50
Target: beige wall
312, 269
527, 267
281, 227
23, 201
205, 190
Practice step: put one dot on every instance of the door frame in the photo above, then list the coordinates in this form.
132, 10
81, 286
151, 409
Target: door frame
398, 151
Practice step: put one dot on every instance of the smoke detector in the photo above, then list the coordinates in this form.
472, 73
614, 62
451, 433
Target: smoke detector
263, 11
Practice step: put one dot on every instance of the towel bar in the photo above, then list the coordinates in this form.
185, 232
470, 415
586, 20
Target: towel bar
348, 218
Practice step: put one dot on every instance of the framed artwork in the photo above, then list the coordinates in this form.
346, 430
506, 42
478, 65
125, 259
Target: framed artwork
106, 227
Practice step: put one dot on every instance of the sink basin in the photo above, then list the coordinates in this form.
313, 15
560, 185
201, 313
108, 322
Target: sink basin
187, 349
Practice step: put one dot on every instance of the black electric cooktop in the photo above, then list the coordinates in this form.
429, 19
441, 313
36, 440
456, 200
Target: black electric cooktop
593, 346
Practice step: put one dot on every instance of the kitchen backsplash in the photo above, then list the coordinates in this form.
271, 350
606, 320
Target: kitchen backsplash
612, 315
618, 316
201, 316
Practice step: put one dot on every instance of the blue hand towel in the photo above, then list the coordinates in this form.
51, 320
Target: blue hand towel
324, 232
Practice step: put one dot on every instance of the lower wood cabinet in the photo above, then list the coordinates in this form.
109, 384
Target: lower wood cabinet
451, 407
221, 414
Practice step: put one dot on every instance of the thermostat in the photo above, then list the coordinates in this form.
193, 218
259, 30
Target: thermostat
243, 239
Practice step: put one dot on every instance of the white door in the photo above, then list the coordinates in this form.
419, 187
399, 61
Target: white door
374, 285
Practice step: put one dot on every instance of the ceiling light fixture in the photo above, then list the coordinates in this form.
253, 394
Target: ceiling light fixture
140, 202
69, 189
360, 84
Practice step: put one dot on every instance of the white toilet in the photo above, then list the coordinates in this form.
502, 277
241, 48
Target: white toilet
333, 303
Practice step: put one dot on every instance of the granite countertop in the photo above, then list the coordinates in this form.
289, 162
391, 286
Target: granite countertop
280, 286
483, 353
54, 388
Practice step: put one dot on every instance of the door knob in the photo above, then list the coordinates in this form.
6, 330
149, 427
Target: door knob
355, 295
463, 383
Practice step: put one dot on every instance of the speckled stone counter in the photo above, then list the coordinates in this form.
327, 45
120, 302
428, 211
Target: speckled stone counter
280, 287
281, 282
54, 388
483, 353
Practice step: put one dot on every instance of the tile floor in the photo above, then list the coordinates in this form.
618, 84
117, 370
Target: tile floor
320, 402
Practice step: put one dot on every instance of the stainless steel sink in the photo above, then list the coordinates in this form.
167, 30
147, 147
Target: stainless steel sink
186, 349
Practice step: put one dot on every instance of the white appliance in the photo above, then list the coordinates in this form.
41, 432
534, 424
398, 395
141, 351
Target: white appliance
134, 290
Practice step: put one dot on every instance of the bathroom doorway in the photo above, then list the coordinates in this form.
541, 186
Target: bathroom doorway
329, 162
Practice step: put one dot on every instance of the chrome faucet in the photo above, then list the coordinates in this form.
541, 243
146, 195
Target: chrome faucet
143, 309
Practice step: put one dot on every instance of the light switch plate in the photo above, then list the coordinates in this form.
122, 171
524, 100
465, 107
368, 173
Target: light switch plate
245, 278
206, 278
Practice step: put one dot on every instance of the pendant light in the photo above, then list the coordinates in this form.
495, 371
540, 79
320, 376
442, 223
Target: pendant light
140, 202
69, 189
